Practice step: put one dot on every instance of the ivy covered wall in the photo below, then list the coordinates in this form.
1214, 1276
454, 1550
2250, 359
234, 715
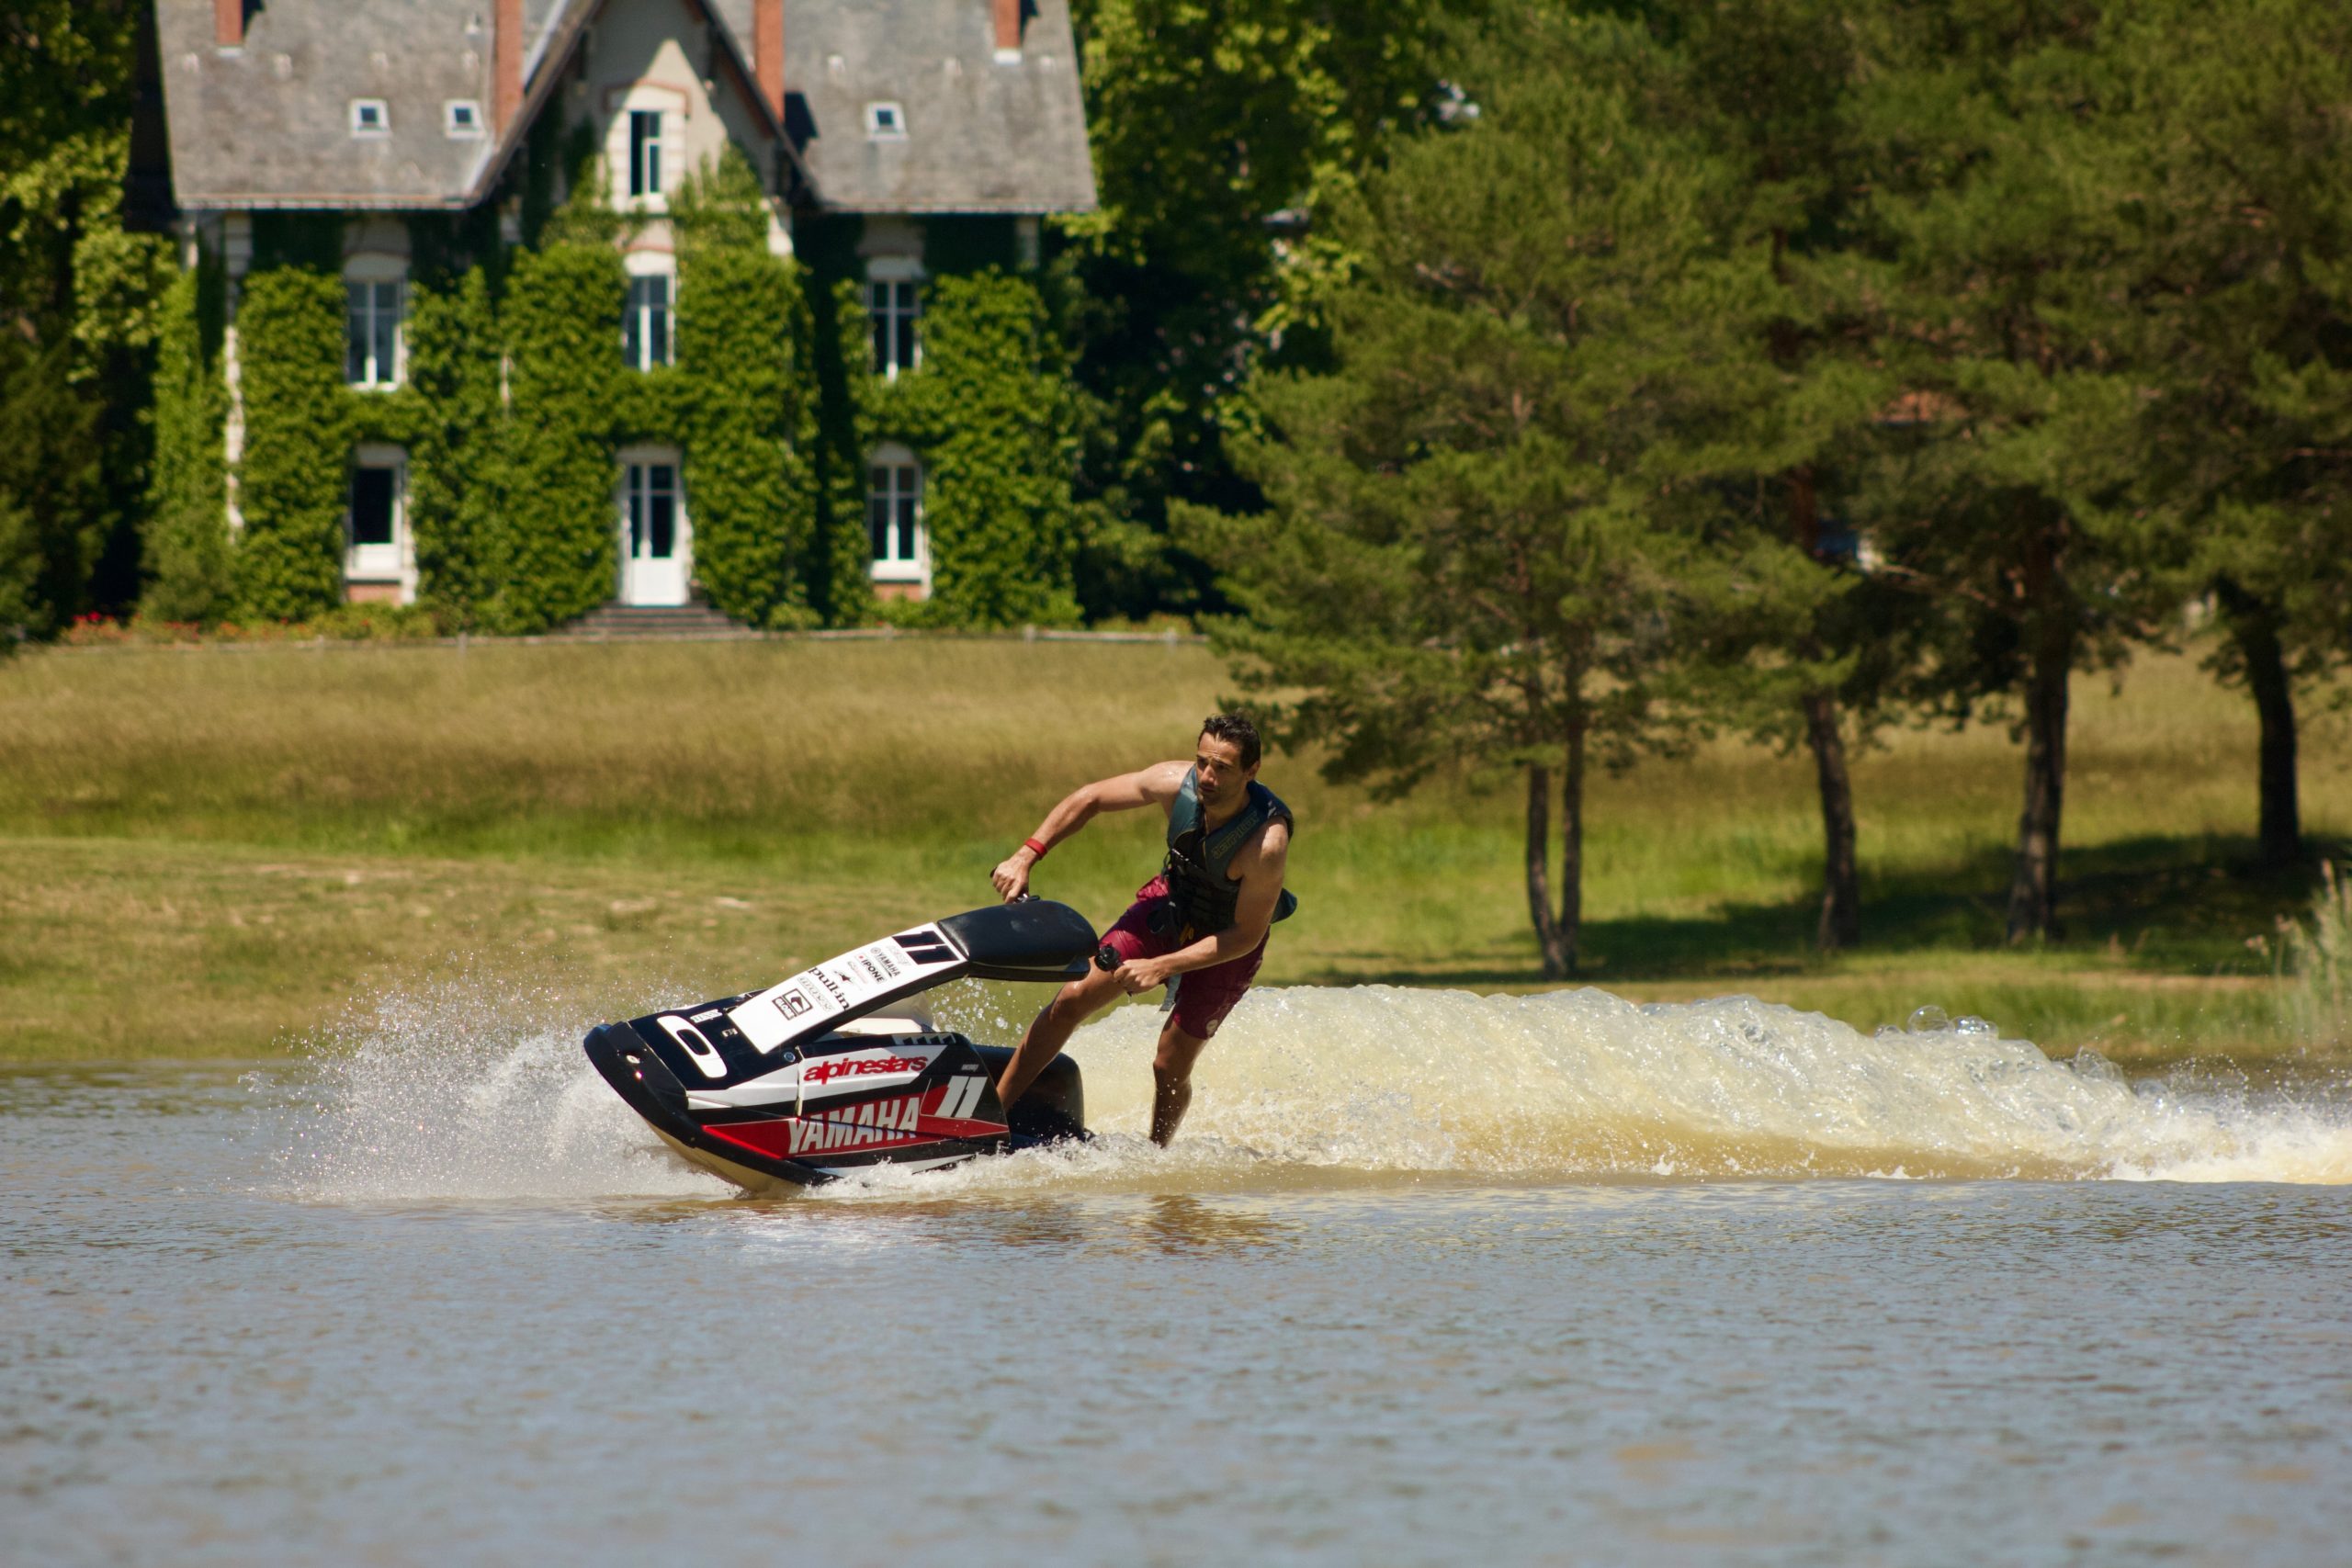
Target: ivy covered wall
743, 326
556, 556
987, 414
185, 550
456, 476
299, 431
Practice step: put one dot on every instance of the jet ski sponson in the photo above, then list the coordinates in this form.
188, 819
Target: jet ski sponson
816, 1078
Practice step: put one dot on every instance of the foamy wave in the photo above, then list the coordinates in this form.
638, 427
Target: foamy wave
1583, 1083
457, 1091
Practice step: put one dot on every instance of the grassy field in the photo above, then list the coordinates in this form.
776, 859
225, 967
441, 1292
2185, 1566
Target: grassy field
208, 852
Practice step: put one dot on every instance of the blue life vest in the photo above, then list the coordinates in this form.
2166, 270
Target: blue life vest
1199, 886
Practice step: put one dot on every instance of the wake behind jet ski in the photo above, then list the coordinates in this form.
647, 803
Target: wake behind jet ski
818, 1076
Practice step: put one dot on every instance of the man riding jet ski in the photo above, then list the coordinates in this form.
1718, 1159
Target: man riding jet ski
833, 1070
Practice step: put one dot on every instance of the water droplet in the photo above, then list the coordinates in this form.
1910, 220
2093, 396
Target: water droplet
1929, 1020
1972, 1024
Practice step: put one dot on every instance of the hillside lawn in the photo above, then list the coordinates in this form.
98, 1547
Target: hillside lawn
215, 852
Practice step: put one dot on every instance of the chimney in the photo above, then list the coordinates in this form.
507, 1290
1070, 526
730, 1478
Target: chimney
1008, 31
229, 24
767, 53
506, 64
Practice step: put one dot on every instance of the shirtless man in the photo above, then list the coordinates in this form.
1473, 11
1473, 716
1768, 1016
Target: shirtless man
1199, 926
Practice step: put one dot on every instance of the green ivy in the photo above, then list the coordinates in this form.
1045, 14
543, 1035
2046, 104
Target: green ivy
292, 479
989, 414
556, 558
742, 325
846, 410
185, 549
455, 452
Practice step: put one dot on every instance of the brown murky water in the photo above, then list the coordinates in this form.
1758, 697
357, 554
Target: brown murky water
1643, 1287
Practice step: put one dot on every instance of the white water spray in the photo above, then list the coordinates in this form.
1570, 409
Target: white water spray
453, 1092
467, 1090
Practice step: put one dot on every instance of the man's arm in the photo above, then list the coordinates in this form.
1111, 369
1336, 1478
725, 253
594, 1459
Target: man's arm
1154, 785
1261, 866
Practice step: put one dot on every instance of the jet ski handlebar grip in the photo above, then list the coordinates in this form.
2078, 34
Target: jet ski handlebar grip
1106, 958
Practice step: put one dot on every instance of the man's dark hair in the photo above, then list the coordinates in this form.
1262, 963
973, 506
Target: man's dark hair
1236, 728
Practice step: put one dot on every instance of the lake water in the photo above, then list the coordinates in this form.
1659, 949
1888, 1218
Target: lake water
1427, 1280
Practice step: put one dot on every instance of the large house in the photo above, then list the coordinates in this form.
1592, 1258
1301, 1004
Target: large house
892, 141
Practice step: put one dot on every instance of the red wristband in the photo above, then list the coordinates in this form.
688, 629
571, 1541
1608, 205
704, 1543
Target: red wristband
1034, 847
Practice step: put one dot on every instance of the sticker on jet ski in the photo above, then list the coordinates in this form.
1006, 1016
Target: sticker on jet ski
819, 996
885, 1064
897, 1122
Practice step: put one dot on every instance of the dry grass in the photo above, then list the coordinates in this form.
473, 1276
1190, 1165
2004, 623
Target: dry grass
588, 806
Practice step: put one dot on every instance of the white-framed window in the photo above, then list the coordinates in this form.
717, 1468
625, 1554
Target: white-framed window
645, 336
901, 546
645, 127
893, 305
370, 116
375, 521
371, 340
886, 122
645, 164
461, 119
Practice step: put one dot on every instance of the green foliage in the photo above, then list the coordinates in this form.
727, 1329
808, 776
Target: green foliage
743, 328
2315, 966
50, 479
187, 557
846, 392
456, 451
1205, 119
78, 297
1467, 559
719, 207
294, 475
557, 558
987, 415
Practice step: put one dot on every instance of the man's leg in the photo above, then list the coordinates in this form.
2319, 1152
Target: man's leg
1051, 1030
1171, 1079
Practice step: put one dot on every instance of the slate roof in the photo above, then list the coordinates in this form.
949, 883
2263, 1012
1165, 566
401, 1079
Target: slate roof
980, 136
268, 126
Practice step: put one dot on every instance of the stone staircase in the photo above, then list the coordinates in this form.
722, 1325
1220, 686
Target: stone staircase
650, 623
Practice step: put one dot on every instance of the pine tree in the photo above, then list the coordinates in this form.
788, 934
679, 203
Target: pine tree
2228, 122
2002, 494
1467, 559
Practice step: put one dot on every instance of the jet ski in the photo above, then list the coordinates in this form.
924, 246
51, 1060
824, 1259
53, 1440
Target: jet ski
839, 1068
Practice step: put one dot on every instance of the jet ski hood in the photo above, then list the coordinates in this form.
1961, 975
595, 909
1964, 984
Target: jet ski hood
1034, 940
812, 1078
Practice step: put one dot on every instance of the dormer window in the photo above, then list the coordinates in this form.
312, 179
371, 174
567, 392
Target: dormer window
369, 117
886, 122
461, 119
645, 153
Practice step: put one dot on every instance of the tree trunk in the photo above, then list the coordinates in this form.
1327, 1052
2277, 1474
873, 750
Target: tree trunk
1572, 850
1539, 875
2253, 628
2033, 889
1841, 895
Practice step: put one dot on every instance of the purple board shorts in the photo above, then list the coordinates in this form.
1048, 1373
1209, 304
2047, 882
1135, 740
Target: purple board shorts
1205, 995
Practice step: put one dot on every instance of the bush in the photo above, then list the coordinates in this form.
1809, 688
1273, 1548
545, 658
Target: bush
2315, 965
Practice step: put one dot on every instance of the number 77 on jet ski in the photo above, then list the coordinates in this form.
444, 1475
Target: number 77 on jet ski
1198, 927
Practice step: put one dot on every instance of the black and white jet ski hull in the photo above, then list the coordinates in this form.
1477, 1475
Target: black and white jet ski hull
813, 1080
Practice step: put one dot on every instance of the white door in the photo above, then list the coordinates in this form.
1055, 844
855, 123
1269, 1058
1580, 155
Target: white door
656, 543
